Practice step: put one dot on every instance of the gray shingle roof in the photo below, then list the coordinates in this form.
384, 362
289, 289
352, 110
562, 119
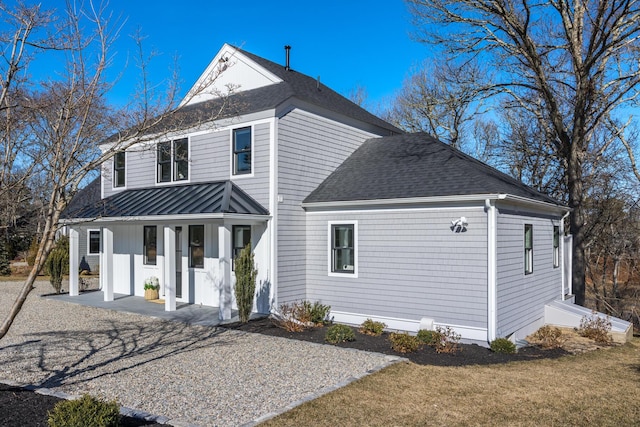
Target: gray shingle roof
205, 198
415, 166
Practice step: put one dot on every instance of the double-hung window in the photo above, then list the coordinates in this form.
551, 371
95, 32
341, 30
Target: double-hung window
150, 244
528, 249
343, 248
241, 238
119, 164
173, 160
556, 246
93, 242
196, 246
241, 151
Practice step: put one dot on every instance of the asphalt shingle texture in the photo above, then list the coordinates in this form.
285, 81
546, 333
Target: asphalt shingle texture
415, 165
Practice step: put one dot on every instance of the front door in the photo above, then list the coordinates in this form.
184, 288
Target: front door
178, 262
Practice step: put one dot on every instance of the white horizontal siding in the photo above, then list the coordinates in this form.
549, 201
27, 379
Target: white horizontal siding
521, 297
410, 265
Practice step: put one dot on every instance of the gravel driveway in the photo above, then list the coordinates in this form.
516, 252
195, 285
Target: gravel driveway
192, 375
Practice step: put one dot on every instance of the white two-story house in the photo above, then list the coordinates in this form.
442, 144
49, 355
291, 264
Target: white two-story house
338, 206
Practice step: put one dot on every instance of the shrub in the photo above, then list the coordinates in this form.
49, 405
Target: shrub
548, 337
287, 319
448, 340
502, 345
403, 342
86, 411
369, 327
315, 313
245, 288
5, 266
339, 333
33, 251
596, 328
57, 263
297, 316
430, 338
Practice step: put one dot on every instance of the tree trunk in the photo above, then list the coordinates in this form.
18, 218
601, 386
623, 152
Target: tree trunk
577, 219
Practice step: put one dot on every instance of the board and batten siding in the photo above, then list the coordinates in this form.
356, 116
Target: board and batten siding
411, 264
310, 147
521, 297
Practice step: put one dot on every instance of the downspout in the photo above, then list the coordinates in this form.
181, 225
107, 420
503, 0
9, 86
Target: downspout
490, 208
562, 251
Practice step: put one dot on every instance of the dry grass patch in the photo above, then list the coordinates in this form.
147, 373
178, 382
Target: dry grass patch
596, 388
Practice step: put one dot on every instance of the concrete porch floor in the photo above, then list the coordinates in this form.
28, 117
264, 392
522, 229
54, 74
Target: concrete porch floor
193, 314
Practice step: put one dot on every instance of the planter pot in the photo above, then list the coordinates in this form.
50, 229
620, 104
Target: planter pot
151, 294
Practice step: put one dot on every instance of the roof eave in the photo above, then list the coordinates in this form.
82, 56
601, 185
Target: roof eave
458, 199
166, 218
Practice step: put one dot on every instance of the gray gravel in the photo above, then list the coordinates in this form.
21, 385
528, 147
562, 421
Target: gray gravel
192, 375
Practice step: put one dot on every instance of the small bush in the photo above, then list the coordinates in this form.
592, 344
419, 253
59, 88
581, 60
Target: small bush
287, 319
404, 343
339, 333
86, 411
596, 328
502, 345
548, 337
297, 316
369, 327
430, 338
57, 264
315, 313
448, 340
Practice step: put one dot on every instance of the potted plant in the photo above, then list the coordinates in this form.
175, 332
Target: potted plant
151, 288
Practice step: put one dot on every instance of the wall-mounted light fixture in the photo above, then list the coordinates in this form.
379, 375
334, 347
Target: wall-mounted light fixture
459, 225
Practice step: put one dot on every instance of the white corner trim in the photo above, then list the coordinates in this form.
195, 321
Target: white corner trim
492, 255
356, 250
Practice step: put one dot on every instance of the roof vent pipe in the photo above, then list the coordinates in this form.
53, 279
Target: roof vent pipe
287, 48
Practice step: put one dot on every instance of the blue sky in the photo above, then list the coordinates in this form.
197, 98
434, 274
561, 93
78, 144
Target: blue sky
347, 43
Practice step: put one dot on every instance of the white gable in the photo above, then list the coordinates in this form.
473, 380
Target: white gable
229, 70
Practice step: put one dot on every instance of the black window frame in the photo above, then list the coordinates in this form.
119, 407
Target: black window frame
556, 246
196, 261
180, 160
119, 170
150, 242
163, 160
336, 248
237, 247
528, 249
237, 153
91, 250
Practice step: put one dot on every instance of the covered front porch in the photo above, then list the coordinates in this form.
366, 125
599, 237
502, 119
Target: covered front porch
189, 247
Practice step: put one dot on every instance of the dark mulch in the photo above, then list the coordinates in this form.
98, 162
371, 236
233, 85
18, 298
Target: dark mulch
20, 407
469, 354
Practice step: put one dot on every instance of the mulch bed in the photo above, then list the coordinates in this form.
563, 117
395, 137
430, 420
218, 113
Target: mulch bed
24, 408
21, 407
469, 354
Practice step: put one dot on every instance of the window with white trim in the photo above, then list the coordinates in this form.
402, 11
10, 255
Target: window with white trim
241, 147
172, 158
93, 242
556, 246
119, 165
196, 246
343, 248
528, 249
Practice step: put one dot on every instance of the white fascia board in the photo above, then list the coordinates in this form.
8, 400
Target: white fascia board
454, 200
169, 218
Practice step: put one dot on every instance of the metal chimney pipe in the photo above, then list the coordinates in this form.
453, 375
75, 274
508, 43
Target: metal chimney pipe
287, 48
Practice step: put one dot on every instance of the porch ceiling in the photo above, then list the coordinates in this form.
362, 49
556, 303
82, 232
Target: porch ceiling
205, 198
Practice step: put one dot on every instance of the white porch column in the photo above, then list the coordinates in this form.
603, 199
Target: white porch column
106, 268
74, 253
169, 268
224, 257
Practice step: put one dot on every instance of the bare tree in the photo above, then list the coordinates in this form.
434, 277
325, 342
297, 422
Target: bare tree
571, 64
65, 116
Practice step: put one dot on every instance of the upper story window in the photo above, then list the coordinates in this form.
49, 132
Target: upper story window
241, 151
556, 246
119, 164
343, 241
173, 160
528, 249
